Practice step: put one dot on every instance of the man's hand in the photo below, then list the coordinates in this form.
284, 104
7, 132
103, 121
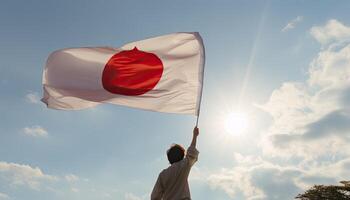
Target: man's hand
195, 131
194, 138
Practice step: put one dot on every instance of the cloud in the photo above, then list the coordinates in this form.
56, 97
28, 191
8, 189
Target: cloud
35, 131
233, 181
73, 181
291, 25
333, 31
254, 178
3, 196
71, 178
130, 196
308, 141
335, 124
17, 174
311, 118
258, 178
330, 69
75, 190
33, 97
21, 177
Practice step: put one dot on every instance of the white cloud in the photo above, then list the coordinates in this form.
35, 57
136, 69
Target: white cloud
311, 118
35, 131
75, 190
235, 180
21, 177
331, 32
331, 68
33, 97
17, 174
71, 178
3, 196
308, 141
254, 178
291, 25
107, 195
131, 196
196, 174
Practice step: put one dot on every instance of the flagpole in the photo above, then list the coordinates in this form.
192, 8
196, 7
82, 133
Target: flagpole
199, 102
197, 120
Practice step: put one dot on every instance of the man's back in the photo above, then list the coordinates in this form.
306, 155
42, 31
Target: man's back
172, 182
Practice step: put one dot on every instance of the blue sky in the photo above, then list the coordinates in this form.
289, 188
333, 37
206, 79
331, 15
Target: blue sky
285, 64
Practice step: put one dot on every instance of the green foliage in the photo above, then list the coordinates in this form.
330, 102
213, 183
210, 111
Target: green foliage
327, 192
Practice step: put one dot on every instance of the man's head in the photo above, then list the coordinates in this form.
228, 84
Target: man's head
175, 153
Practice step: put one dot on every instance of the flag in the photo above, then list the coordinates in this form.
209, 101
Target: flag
163, 74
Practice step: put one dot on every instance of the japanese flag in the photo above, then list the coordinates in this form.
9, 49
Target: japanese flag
162, 74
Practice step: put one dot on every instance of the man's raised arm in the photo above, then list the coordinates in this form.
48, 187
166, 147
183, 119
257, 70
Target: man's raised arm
192, 152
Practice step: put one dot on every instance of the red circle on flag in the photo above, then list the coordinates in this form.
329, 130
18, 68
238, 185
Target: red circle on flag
132, 72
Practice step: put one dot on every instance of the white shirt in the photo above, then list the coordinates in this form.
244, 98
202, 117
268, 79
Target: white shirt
172, 182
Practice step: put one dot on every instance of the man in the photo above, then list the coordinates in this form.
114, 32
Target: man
172, 182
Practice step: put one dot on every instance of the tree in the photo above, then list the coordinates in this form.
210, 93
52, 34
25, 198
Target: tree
327, 192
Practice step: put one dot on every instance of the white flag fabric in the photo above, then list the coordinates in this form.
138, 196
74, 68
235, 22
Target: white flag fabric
163, 74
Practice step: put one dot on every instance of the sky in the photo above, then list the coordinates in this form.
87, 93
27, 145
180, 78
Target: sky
284, 64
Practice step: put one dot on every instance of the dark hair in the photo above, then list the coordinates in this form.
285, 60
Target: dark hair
175, 153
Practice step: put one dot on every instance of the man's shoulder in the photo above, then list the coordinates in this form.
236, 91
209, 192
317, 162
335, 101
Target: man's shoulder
174, 167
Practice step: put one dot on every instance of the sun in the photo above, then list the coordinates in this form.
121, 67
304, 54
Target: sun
236, 123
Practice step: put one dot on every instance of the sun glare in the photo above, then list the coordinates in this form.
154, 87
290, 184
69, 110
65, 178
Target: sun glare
236, 123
